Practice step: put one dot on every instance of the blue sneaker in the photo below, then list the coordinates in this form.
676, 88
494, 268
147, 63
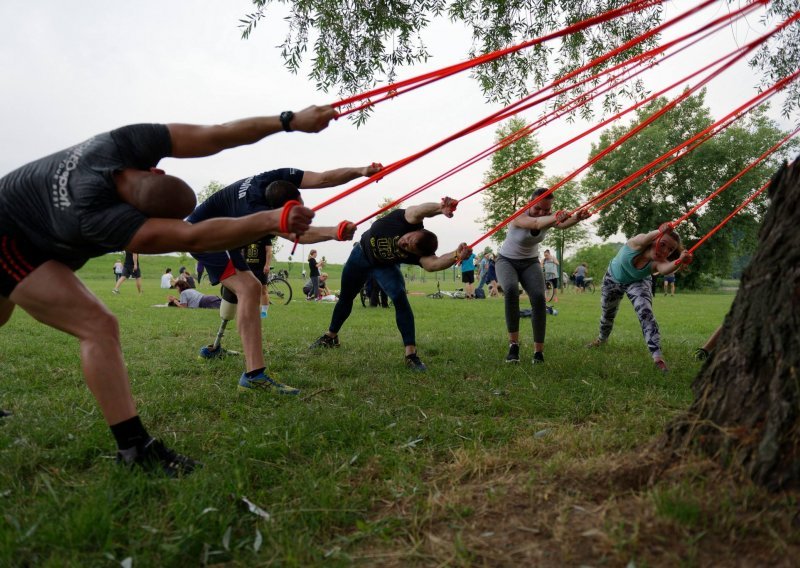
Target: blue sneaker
208, 352
264, 382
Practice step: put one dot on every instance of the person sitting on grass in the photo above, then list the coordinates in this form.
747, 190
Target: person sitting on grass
322, 286
111, 197
191, 298
630, 273
398, 238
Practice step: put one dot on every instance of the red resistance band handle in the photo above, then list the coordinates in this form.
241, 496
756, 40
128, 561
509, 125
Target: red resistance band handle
340, 230
287, 208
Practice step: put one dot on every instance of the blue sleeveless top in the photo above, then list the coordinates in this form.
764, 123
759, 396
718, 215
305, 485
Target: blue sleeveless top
623, 270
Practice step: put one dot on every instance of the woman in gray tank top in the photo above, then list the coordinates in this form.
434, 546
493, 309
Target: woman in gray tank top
518, 262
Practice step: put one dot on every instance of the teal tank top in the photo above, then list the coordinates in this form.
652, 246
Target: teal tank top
622, 268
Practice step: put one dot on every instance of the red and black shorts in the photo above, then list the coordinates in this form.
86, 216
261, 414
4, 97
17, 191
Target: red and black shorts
221, 265
18, 258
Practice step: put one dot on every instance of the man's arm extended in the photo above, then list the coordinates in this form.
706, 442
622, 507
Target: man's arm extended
195, 141
435, 263
321, 234
416, 213
332, 178
167, 235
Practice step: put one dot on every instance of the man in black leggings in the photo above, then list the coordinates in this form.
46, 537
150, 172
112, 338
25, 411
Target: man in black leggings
398, 238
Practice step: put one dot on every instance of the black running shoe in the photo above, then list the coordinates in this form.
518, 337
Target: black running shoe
4, 413
538, 358
701, 354
513, 353
325, 342
153, 455
413, 362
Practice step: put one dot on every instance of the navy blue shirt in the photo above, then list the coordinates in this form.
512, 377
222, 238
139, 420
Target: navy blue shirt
243, 197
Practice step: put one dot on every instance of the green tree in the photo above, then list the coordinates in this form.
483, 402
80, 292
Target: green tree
359, 43
354, 45
671, 193
502, 199
596, 258
386, 201
208, 190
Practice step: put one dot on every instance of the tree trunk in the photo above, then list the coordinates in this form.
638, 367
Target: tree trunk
746, 410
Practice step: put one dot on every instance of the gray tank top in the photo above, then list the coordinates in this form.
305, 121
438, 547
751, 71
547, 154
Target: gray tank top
521, 244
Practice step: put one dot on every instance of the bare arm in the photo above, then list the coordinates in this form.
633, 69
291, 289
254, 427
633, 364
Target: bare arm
194, 141
643, 240
416, 213
332, 178
320, 234
435, 263
168, 235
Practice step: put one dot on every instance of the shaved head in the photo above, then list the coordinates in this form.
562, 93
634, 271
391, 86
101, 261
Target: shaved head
157, 195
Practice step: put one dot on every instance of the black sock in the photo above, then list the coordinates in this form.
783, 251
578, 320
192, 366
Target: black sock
129, 433
254, 372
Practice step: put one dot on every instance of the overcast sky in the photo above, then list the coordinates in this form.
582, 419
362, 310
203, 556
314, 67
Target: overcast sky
73, 69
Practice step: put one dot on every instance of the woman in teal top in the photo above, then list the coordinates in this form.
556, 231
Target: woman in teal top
630, 272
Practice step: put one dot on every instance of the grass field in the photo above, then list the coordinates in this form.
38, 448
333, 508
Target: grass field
472, 463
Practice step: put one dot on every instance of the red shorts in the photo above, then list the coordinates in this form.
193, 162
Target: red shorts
18, 258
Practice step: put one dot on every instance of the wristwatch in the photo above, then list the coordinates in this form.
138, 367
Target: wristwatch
286, 119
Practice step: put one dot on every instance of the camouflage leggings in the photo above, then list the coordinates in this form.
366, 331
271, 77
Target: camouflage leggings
640, 294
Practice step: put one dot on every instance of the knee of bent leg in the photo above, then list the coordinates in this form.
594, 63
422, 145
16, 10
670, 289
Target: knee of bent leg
101, 323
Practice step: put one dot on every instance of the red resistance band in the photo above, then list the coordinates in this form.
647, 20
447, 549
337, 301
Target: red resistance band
619, 195
725, 221
612, 82
287, 209
395, 89
751, 103
761, 97
507, 112
737, 177
638, 128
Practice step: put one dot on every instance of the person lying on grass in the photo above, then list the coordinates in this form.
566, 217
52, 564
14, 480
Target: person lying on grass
105, 195
630, 272
398, 238
191, 298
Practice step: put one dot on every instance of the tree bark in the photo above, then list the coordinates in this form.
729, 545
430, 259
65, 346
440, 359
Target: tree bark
746, 410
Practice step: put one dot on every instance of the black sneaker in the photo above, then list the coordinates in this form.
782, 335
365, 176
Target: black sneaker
325, 342
413, 362
4, 413
538, 358
513, 353
153, 455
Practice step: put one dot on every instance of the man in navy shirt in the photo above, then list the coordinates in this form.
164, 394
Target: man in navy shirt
263, 192
105, 195
398, 238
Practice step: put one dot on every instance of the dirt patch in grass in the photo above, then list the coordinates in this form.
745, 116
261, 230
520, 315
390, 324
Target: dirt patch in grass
643, 507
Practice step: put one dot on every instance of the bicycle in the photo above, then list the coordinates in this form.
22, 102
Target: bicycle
280, 291
439, 294
549, 291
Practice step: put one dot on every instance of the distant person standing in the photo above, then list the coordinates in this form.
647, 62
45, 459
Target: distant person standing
117, 270
130, 269
483, 270
199, 270
669, 282
468, 276
580, 275
550, 266
313, 272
